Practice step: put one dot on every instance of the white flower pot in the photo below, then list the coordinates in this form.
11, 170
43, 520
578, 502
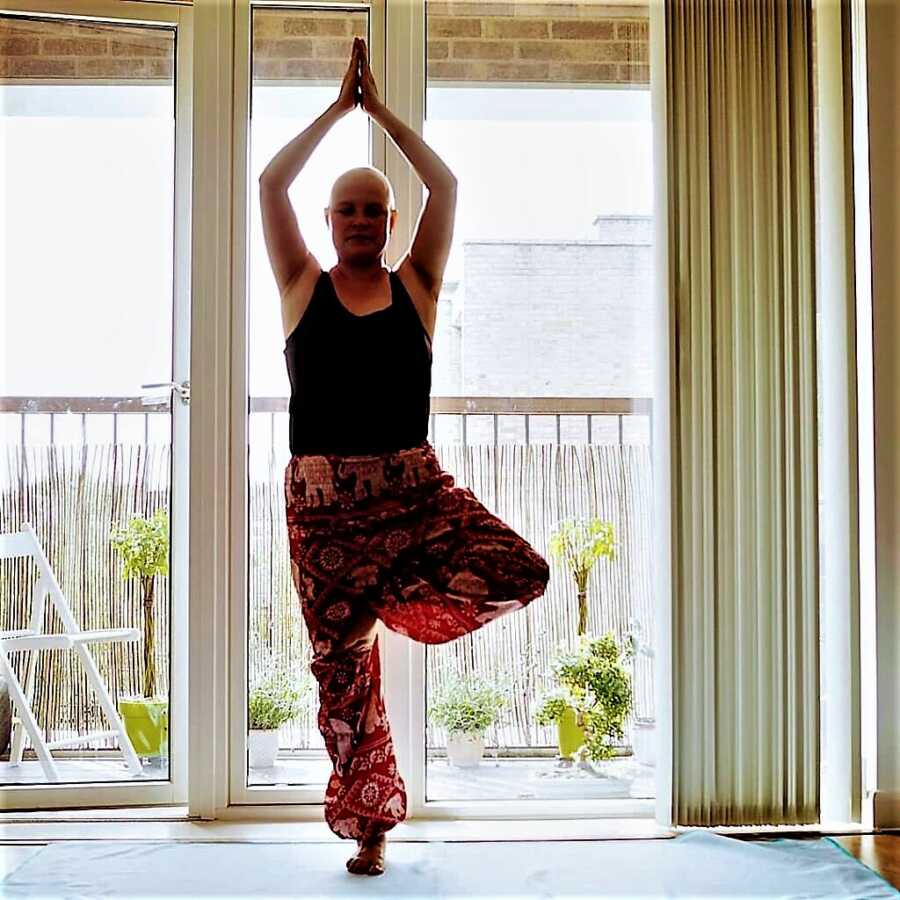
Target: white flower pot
263, 747
643, 739
465, 750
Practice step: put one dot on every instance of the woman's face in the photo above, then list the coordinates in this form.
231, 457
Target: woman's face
359, 218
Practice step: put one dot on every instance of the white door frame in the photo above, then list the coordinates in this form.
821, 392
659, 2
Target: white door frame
174, 791
232, 796
213, 415
218, 756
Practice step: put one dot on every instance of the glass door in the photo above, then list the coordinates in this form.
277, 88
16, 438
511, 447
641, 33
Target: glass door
545, 120
95, 107
297, 59
554, 226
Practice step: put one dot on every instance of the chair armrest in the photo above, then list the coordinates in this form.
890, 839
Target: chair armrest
31, 640
104, 635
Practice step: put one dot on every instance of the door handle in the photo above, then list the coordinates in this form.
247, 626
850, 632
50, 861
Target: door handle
183, 389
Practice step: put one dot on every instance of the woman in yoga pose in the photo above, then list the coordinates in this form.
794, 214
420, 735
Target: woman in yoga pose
377, 529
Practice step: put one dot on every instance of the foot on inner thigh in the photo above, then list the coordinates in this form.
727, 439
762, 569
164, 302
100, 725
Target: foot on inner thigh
369, 857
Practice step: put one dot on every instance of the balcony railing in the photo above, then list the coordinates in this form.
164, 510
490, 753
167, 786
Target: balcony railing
617, 409
531, 460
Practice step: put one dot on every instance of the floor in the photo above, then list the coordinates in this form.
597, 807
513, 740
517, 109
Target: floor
501, 779
492, 779
880, 852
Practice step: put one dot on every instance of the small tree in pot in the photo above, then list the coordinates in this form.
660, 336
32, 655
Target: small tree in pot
595, 684
466, 707
144, 549
578, 544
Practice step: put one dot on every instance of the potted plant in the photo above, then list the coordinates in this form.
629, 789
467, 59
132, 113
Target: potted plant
594, 685
273, 700
643, 740
465, 707
144, 549
578, 544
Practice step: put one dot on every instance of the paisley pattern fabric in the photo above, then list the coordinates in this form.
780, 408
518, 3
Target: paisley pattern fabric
389, 537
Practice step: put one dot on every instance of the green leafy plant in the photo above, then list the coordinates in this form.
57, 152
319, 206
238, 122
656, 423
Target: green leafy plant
597, 686
553, 706
277, 698
579, 543
143, 546
466, 705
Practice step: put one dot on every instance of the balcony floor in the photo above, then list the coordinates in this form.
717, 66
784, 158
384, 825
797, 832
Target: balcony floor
501, 779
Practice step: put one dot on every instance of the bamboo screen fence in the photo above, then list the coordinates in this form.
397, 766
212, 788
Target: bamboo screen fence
72, 495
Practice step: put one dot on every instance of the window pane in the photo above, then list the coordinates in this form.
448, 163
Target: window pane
299, 60
86, 311
544, 117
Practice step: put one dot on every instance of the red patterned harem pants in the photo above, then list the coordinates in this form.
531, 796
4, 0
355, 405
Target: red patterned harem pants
389, 536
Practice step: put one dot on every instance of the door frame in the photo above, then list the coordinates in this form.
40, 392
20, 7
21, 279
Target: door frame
218, 761
231, 791
173, 791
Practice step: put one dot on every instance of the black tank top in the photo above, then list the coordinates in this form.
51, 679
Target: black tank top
359, 384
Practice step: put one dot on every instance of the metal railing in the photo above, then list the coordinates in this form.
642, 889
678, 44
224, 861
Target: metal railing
620, 408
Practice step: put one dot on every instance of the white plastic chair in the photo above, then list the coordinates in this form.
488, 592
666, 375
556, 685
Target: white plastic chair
26, 543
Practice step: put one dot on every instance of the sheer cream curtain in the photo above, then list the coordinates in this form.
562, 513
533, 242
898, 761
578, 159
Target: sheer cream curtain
745, 655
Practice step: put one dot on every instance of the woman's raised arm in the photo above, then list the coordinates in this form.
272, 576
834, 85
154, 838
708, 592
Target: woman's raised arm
433, 236
287, 250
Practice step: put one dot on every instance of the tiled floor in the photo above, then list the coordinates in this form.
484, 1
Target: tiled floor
500, 779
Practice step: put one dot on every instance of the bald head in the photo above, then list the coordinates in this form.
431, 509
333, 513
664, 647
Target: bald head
361, 183
361, 214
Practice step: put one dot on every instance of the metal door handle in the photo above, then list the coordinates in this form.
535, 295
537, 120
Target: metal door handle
183, 389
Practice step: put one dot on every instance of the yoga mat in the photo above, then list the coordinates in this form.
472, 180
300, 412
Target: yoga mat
694, 864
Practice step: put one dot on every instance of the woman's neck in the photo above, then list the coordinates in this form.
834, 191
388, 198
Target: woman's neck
373, 272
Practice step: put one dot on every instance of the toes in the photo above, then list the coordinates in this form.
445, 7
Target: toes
361, 866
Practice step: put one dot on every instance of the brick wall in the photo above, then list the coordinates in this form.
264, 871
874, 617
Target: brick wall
42, 49
496, 41
583, 309
538, 42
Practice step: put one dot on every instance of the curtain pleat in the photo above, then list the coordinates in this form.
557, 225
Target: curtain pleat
744, 489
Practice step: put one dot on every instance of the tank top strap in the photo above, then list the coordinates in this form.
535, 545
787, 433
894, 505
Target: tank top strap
323, 297
314, 309
400, 294
405, 302
323, 286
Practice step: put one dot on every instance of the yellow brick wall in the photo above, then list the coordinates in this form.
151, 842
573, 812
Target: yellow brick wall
495, 42
42, 49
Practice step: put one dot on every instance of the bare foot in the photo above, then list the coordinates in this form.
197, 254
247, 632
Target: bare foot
369, 858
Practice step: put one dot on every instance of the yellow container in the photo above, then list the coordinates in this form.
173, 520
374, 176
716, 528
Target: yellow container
571, 734
147, 725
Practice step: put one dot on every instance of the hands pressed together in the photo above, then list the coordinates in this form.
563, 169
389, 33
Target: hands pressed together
358, 86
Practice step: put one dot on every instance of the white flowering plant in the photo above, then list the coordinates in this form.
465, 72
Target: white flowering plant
277, 698
466, 705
